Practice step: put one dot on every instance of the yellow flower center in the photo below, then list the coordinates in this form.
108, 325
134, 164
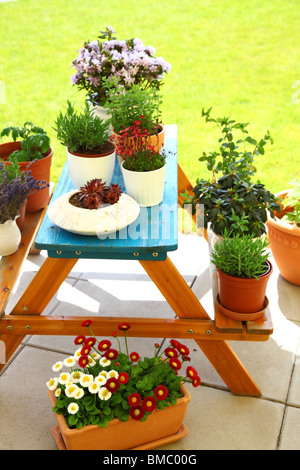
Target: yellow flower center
149, 403
136, 412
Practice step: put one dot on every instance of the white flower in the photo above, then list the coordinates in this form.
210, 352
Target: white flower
69, 362
71, 390
104, 394
94, 387
73, 408
104, 362
57, 366
52, 383
113, 373
80, 393
57, 392
101, 380
75, 376
64, 378
86, 380
77, 354
95, 355
91, 361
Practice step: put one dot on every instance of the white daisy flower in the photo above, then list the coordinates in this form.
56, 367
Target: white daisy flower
69, 361
104, 373
71, 390
57, 392
95, 355
101, 380
104, 362
94, 387
77, 354
52, 383
80, 393
64, 378
57, 366
91, 361
86, 380
112, 373
73, 408
75, 376
104, 394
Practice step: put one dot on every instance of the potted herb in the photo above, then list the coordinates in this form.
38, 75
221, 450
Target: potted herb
15, 187
243, 270
135, 112
230, 198
30, 146
284, 233
110, 399
94, 209
90, 153
101, 61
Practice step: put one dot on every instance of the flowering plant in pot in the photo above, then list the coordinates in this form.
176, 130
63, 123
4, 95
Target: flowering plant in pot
15, 187
90, 153
243, 270
284, 233
230, 197
30, 147
105, 389
102, 60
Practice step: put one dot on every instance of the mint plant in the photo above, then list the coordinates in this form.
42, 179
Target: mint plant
292, 202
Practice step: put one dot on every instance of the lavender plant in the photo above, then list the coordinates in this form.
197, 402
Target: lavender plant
15, 187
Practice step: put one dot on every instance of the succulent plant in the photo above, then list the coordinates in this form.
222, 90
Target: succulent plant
95, 193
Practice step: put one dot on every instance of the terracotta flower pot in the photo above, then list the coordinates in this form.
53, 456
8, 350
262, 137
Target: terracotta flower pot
125, 435
40, 170
243, 295
285, 245
85, 167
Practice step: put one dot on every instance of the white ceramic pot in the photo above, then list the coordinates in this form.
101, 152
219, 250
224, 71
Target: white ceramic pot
83, 168
10, 237
102, 113
147, 187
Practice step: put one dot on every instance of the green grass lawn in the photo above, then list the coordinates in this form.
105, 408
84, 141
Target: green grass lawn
240, 58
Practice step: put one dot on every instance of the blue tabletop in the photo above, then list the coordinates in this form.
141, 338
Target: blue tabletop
150, 237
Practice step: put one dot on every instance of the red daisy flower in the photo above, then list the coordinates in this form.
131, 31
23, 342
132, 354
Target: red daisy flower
124, 326
90, 341
123, 377
175, 363
196, 382
85, 350
83, 361
86, 323
171, 352
134, 356
104, 345
184, 350
79, 339
111, 354
112, 384
149, 404
134, 399
161, 392
137, 412
191, 372
175, 343
115, 334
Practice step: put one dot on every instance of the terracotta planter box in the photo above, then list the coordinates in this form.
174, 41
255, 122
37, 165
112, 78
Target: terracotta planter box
158, 427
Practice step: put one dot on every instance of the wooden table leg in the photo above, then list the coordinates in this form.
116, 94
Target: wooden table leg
186, 305
38, 294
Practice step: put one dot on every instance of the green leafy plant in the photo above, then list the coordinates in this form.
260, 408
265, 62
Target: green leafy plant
291, 203
82, 132
145, 160
103, 383
236, 152
34, 142
128, 106
241, 255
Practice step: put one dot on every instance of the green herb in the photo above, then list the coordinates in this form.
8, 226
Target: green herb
292, 202
144, 160
34, 142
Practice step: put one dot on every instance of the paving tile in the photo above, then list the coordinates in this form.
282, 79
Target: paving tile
218, 420
294, 391
290, 435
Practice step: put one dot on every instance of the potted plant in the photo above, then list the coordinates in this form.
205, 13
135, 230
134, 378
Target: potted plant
94, 209
243, 271
109, 399
15, 186
30, 146
135, 120
90, 153
230, 198
103, 60
284, 233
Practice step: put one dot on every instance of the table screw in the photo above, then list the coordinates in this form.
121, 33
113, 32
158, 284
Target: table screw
58, 252
27, 327
155, 255
135, 254
190, 331
25, 308
9, 327
6, 289
78, 252
208, 332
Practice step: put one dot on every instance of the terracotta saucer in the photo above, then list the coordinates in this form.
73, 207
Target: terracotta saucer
243, 316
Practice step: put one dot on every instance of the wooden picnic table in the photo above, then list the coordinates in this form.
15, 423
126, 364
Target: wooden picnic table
155, 235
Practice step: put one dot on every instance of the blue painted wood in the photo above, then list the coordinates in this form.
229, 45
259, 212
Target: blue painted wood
151, 236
